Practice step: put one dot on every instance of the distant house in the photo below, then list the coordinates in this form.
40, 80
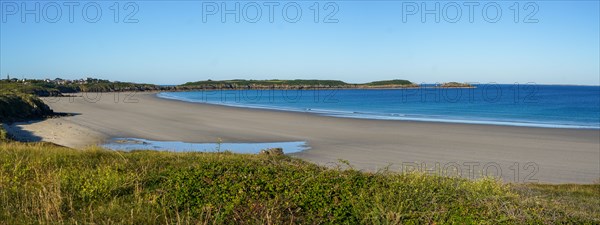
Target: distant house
59, 81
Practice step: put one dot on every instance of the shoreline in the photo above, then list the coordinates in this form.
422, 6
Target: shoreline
561, 155
387, 118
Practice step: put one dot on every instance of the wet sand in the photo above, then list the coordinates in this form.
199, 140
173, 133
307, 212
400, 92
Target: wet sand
517, 154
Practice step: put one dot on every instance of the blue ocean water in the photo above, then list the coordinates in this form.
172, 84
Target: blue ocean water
499, 104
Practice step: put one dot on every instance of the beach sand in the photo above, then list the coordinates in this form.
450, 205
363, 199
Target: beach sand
517, 154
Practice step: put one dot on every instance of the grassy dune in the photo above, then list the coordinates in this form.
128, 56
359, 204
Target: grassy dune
46, 184
19, 106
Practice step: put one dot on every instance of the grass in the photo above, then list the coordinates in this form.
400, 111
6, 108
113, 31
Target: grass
16, 103
19, 106
3, 135
565, 200
47, 184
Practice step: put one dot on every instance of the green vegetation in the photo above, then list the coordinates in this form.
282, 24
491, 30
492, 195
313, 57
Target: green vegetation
3, 135
292, 84
565, 200
59, 87
266, 83
116, 86
19, 106
19, 99
36, 88
47, 184
456, 84
389, 82
43, 88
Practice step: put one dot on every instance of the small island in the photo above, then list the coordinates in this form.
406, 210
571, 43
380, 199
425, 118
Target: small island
456, 85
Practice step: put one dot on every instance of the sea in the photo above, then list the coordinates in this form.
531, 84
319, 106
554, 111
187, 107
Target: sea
531, 105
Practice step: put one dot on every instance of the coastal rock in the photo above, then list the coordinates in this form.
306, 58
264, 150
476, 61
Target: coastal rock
271, 152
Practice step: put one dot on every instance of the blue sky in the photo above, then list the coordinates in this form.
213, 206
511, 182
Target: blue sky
171, 44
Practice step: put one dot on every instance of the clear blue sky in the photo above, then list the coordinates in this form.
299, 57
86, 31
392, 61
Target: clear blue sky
171, 44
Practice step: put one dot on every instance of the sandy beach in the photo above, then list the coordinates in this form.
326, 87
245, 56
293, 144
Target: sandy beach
517, 154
